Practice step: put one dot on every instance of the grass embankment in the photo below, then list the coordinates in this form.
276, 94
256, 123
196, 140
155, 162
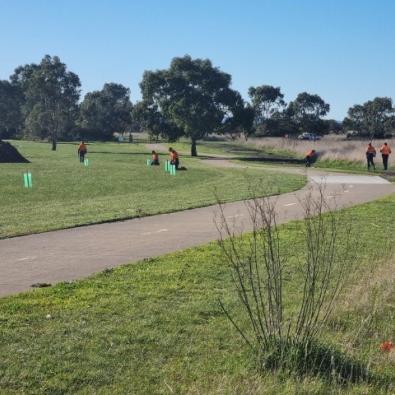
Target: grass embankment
156, 326
117, 184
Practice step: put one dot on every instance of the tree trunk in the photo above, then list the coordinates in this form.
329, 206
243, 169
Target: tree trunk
193, 148
54, 142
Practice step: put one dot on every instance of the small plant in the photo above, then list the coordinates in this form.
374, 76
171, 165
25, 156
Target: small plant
281, 337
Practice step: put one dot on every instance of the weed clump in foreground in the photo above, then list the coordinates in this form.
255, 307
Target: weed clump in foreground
281, 337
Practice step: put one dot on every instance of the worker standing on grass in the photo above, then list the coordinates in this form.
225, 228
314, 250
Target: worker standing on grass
174, 160
82, 150
385, 153
154, 159
370, 154
310, 158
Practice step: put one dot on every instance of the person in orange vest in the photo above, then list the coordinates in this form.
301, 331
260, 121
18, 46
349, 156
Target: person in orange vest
310, 158
82, 151
155, 159
174, 159
385, 153
370, 154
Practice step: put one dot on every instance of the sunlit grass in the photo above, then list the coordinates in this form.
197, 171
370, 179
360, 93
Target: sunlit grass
156, 326
117, 184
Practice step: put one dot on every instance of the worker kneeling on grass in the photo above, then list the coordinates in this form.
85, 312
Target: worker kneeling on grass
310, 158
155, 159
174, 160
82, 151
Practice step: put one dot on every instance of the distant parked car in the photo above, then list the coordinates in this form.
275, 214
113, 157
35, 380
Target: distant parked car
352, 134
309, 136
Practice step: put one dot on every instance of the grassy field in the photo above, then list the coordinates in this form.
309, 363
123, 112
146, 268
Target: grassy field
156, 327
117, 184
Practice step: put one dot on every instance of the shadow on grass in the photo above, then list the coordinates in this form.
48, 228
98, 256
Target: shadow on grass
274, 159
324, 361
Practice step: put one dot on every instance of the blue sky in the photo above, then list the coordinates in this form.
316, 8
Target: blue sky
342, 50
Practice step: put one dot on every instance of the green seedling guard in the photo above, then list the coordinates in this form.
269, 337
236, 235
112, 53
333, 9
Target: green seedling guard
86, 162
27, 180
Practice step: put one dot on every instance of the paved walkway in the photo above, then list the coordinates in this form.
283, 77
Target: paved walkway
75, 253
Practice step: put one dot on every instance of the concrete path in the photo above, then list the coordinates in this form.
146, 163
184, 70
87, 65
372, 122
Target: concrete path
75, 253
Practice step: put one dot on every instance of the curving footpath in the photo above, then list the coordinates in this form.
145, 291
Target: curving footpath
70, 254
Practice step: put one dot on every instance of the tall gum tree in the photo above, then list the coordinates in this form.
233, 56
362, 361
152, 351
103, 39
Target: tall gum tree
306, 112
192, 94
372, 119
51, 95
107, 111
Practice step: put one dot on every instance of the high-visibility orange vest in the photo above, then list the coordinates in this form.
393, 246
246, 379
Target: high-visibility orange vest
385, 149
173, 155
310, 153
155, 157
370, 149
82, 148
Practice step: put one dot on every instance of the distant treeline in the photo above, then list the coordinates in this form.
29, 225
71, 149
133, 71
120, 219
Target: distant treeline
191, 98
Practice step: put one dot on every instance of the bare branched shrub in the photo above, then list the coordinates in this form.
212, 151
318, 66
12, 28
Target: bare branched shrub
281, 335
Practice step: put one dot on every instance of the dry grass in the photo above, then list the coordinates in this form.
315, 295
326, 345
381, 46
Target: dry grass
330, 147
378, 284
371, 301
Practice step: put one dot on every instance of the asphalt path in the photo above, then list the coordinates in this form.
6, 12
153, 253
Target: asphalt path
75, 253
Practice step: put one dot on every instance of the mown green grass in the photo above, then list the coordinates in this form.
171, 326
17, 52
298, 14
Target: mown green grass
156, 326
117, 184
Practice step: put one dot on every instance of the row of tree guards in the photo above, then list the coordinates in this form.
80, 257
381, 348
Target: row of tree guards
169, 168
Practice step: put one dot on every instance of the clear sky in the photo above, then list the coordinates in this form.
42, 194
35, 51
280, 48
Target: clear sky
343, 50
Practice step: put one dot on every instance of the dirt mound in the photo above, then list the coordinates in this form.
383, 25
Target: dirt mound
9, 154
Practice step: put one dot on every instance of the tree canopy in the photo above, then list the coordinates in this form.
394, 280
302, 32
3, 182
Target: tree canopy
375, 118
267, 102
152, 120
106, 111
193, 95
50, 97
306, 111
191, 98
11, 119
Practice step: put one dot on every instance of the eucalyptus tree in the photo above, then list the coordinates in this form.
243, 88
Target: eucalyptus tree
193, 95
50, 97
